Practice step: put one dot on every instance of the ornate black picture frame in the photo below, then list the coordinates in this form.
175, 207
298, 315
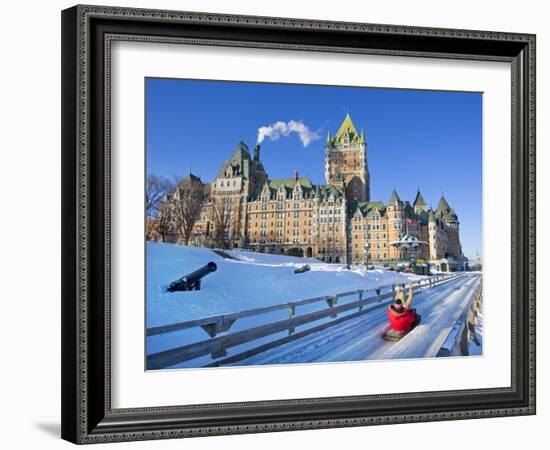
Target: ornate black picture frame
87, 414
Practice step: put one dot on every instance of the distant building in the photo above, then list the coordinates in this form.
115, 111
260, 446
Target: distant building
334, 222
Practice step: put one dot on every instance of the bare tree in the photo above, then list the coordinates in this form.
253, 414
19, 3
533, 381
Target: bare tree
221, 220
157, 188
164, 220
151, 229
188, 208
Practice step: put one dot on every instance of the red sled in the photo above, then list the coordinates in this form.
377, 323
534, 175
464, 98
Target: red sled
396, 335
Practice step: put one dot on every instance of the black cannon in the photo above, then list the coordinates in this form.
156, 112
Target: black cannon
192, 282
302, 269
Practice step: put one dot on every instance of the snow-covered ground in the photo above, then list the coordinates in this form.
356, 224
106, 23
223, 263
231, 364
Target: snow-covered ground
252, 281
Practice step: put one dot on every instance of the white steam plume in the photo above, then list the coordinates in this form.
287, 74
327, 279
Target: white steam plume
278, 129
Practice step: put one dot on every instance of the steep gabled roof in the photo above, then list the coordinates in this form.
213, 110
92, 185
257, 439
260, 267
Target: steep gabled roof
304, 182
288, 185
442, 206
240, 158
347, 126
367, 209
323, 191
419, 200
241, 152
394, 198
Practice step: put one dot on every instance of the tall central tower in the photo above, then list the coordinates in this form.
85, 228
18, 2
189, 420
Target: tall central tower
346, 161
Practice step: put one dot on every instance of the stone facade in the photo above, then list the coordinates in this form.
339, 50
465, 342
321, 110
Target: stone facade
334, 222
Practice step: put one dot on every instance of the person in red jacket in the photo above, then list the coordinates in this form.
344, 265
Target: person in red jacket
402, 317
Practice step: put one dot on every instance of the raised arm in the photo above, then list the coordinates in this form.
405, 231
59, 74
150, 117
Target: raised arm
408, 303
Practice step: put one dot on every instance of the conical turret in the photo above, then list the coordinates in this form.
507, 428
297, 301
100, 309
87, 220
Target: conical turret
419, 202
347, 127
394, 198
442, 207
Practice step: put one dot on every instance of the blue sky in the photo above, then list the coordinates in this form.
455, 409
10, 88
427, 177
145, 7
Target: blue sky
426, 139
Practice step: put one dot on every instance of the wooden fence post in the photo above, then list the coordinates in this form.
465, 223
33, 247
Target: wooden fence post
291, 314
221, 350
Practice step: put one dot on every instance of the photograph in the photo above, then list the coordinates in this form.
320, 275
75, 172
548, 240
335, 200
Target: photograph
300, 224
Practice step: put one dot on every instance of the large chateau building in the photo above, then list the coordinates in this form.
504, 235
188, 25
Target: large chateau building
334, 222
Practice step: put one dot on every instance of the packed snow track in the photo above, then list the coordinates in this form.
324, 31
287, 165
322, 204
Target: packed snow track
361, 338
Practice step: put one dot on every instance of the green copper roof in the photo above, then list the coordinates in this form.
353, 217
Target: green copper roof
241, 152
240, 159
423, 217
367, 209
323, 191
304, 182
288, 184
347, 127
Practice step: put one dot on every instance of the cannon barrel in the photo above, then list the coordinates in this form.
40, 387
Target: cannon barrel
302, 269
192, 281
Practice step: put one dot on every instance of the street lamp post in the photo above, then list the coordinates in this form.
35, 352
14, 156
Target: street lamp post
367, 247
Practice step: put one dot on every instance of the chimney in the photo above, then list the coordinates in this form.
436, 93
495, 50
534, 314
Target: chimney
257, 153
296, 175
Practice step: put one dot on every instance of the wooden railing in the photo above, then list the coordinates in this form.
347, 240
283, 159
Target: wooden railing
456, 342
220, 340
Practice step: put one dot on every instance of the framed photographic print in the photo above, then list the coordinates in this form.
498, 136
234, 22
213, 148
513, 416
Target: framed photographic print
277, 224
